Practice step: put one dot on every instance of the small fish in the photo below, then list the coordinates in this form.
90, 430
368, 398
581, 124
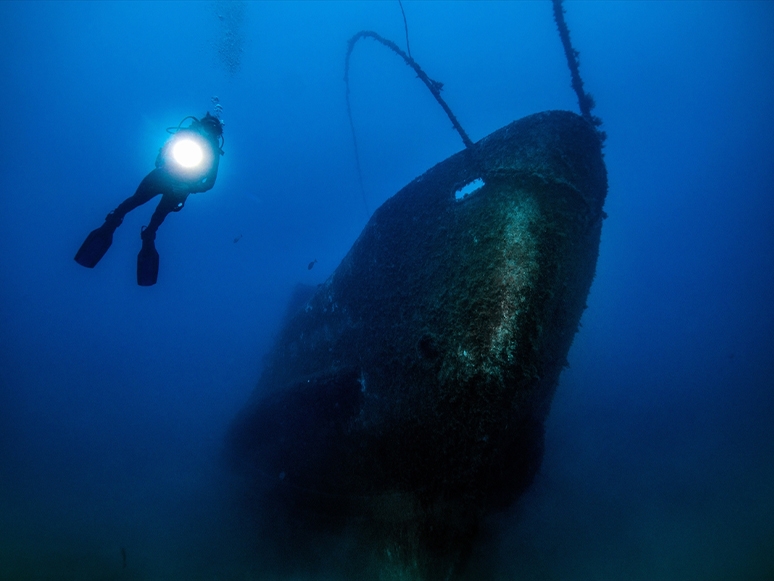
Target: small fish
237, 239
123, 556
311, 264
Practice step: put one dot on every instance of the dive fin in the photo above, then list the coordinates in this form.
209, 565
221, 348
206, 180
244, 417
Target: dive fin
95, 246
147, 264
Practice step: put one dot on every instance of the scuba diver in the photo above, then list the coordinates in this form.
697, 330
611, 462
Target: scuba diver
186, 164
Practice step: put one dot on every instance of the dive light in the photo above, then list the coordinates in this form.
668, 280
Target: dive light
187, 153
188, 156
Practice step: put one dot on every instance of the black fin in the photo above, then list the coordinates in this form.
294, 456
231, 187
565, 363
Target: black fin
95, 246
147, 264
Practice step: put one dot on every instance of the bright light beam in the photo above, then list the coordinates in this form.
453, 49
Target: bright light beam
187, 153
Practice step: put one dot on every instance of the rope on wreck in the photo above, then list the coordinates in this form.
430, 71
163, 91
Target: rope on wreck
405, 26
435, 88
585, 100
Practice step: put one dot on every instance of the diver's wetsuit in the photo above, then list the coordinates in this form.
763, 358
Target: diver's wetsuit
153, 184
174, 192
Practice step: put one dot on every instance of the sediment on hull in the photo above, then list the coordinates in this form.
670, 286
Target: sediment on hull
405, 399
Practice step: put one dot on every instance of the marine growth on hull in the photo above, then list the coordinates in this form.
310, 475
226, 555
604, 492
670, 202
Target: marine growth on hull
404, 400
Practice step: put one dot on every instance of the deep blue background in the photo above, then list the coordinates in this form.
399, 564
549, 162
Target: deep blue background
114, 398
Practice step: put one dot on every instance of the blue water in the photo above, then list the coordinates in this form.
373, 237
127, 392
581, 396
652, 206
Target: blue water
114, 399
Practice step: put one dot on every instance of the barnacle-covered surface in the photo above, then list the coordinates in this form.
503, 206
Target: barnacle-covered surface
406, 397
